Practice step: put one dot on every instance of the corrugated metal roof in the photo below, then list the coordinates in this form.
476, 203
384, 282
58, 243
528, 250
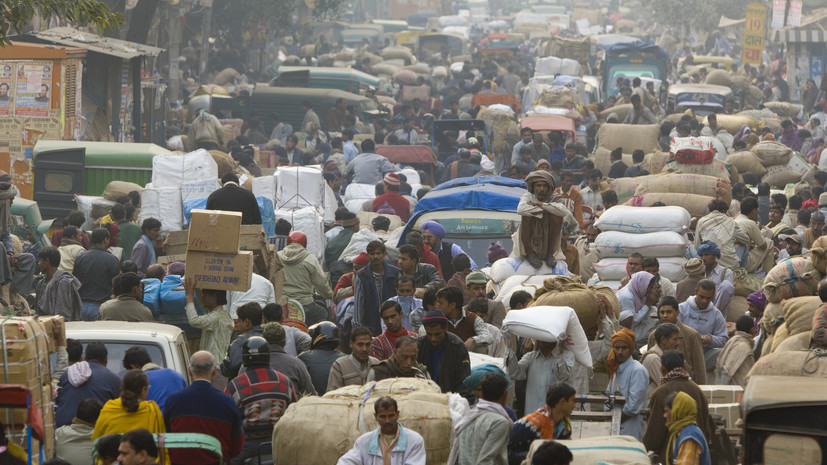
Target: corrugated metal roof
95, 43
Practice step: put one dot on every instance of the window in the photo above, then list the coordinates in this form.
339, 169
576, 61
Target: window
56, 181
783, 449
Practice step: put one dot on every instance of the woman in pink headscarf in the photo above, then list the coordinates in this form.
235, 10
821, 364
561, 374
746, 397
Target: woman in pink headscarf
639, 297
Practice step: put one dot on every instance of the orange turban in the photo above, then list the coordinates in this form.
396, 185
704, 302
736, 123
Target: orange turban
626, 335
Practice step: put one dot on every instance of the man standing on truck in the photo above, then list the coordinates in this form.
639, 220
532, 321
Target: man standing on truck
543, 216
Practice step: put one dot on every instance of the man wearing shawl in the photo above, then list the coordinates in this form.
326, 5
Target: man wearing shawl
687, 444
719, 228
675, 379
551, 421
543, 216
737, 358
723, 278
639, 297
434, 233
628, 378
482, 435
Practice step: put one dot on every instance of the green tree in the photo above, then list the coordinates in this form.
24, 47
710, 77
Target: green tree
233, 16
15, 14
694, 14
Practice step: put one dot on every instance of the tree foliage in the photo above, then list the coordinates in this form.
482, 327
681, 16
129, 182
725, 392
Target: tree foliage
696, 14
235, 16
15, 14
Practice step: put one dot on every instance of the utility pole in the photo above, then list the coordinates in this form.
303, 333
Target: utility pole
205, 37
174, 27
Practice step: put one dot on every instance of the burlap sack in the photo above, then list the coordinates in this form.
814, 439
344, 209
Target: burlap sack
306, 434
344, 55
390, 53
783, 109
738, 307
567, 292
818, 254
781, 335
117, 189
798, 363
610, 295
500, 124
753, 96
405, 77
773, 317
374, 59
800, 341
747, 283
695, 204
719, 77
559, 97
799, 312
656, 161
630, 137
624, 187
772, 153
739, 82
733, 123
779, 176
683, 183
767, 345
602, 158
225, 163
226, 76
717, 168
384, 69
747, 162
793, 277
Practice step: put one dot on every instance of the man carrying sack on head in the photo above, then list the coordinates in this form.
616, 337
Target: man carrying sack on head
543, 216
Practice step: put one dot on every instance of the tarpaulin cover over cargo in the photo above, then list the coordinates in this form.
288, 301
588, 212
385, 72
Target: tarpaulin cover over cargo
494, 193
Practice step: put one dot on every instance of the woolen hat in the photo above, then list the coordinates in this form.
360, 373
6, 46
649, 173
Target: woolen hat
362, 259
392, 179
694, 267
475, 277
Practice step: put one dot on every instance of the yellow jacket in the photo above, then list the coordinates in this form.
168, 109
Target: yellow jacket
115, 419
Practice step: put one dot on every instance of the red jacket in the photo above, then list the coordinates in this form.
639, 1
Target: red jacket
399, 204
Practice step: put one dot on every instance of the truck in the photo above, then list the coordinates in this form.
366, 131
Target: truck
631, 60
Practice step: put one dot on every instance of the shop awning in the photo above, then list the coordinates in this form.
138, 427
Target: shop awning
95, 43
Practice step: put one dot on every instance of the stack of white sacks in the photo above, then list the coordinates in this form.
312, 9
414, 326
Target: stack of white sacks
509, 275
306, 201
654, 232
174, 175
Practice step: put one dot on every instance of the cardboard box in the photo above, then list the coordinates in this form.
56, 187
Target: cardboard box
730, 412
231, 272
722, 394
48, 323
215, 231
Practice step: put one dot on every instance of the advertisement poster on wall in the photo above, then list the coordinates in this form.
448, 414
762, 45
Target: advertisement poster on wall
6, 83
34, 89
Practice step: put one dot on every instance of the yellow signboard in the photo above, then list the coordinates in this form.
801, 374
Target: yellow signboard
754, 30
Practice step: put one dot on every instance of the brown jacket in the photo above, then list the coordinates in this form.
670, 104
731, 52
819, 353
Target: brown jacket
657, 434
692, 350
686, 288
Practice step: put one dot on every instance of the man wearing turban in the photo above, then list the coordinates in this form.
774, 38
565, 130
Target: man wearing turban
723, 278
434, 233
630, 379
543, 216
719, 228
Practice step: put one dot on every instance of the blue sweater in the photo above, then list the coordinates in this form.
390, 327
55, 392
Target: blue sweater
102, 385
708, 321
163, 382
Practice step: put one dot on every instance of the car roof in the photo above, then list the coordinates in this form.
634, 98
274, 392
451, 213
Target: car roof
104, 330
764, 392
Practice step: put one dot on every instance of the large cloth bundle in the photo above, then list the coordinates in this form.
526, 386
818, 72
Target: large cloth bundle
656, 161
390, 53
610, 295
692, 150
507, 267
800, 341
717, 168
405, 77
306, 434
516, 283
620, 111
734, 123
779, 176
117, 189
753, 96
383, 68
799, 313
764, 117
695, 204
172, 169
163, 204
551, 324
630, 137
309, 221
227, 76
783, 109
300, 187
614, 269
644, 220
739, 81
747, 283
738, 307
602, 450
567, 292
548, 66
747, 162
772, 153
194, 194
798, 363
625, 187
500, 121
793, 277
265, 186
818, 254
686, 183
559, 97
719, 77
613, 244
225, 163
773, 317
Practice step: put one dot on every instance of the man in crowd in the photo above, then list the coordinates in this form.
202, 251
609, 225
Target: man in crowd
723, 278
639, 114
470, 328
368, 167
284, 363
334, 248
249, 325
551, 421
143, 252
444, 354
127, 304
391, 198
547, 364
323, 352
690, 341
482, 436
261, 291
163, 382
398, 444
476, 283
185, 413
434, 233
57, 294
543, 215
629, 378
303, 275
357, 367
137, 448
95, 270
722, 230
667, 337
261, 394
403, 363
423, 275
73, 442
757, 253
736, 358
88, 379
383, 345
375, 284
699, 313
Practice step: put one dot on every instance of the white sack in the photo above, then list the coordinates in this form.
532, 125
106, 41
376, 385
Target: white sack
506, 267
265, 186
570, 67
358, 244
198, 189
84, 204
551, 324
308, 221
548, 66
163, 204
639, 220
173, 169
611, 244
614, 269
355, 205
299, 187
413, 177
360, 191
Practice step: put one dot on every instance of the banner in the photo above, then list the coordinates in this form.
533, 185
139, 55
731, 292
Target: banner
794, 15
779, 7
6, 91
754, 30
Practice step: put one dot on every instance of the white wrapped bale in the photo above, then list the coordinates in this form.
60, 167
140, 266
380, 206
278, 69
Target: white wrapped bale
309, 221
299, 187
613, 244
173, 169
163, 204
644, 220
265, 186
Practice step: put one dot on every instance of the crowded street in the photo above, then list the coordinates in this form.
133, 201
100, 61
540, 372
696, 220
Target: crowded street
461, 233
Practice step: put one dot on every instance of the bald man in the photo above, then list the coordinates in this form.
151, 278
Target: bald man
184, 413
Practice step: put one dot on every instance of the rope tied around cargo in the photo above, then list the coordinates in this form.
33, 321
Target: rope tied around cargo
362, 425
814, 354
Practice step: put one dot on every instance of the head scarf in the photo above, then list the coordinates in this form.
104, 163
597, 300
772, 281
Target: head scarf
537, 176
434, 228
626, 335
743, 133
710, 248
638, 285
473, 380
758, 299
809, 203
684, 413
203, 115
362, 259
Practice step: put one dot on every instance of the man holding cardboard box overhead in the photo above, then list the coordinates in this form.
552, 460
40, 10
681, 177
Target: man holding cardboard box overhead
232, 197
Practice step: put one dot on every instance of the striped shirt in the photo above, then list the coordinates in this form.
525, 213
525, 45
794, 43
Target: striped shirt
216, 327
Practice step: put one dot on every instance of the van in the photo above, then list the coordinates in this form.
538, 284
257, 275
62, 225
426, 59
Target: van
166, 344
63, 168
286, 102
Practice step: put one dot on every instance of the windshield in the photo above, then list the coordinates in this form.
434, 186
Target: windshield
477, 248
116, 350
